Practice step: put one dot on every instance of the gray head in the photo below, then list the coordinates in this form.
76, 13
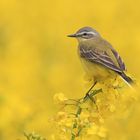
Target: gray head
85, 33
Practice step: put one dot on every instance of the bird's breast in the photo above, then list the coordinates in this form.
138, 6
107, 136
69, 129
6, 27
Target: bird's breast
95, 70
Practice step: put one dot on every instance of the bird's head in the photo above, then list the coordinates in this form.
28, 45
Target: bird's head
85, 33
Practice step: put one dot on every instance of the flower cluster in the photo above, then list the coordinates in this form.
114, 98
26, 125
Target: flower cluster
33, 136
86, 117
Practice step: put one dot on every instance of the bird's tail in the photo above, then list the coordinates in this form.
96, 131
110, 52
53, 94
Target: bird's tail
127, 79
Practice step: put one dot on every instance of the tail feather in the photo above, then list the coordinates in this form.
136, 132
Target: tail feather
126, 78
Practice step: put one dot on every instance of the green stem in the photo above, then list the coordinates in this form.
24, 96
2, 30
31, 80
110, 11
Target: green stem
73, 137
78, 111
95, 92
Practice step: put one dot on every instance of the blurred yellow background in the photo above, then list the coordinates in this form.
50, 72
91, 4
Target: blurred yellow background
37, 60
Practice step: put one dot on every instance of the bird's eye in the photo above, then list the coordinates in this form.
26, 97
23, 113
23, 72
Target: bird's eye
85, 34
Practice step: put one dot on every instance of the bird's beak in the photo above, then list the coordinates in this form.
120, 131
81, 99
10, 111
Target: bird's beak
72, 35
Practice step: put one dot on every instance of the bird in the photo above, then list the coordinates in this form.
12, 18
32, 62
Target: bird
98, 56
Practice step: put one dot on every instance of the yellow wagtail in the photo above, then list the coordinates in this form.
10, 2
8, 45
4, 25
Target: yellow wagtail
100, 59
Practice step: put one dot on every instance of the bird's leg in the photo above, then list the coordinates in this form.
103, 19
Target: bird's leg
87, 93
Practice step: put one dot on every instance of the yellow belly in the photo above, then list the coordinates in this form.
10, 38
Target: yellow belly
97, 71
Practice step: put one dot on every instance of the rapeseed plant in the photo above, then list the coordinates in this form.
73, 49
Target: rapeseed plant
86, 117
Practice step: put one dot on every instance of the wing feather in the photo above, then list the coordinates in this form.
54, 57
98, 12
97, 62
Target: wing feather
119, 60
101, 58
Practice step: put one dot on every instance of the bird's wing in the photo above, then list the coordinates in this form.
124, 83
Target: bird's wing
108, 58
119, 60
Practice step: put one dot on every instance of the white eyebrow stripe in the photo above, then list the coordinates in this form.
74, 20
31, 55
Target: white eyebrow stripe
93, 33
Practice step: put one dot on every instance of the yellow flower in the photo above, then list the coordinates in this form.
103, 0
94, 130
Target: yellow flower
59, 98
88, 117
93, 129
102, 132
112, 108
68, 122
84, 116
61, 115
53, 137
101, 120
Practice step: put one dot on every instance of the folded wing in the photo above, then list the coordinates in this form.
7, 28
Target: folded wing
103, 58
